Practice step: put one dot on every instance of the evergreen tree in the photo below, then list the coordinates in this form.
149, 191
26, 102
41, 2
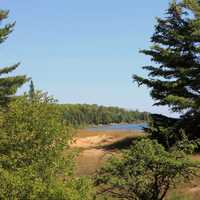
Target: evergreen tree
31, 91
175, 79
8, 85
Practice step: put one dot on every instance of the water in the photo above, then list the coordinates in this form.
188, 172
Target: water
119, 127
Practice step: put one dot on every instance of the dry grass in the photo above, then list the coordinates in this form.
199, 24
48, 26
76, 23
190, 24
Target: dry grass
188, 191
116, 134
96, 147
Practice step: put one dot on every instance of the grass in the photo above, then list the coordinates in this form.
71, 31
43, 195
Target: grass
116, 134
96, 147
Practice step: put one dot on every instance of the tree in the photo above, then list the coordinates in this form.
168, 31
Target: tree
175, 79
144, 172
8, 85
33, 138
31, 91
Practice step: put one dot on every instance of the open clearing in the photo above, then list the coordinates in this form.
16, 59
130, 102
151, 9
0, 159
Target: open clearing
96, 147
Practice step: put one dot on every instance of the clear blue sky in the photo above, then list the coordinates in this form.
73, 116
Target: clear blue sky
84, 51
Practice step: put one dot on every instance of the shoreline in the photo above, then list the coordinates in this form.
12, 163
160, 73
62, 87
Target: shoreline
122, 127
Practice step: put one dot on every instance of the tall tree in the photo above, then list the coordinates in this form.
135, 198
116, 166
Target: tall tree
175, 79
10, 84
31, 91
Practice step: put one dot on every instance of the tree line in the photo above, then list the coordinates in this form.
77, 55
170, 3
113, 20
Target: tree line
85, 114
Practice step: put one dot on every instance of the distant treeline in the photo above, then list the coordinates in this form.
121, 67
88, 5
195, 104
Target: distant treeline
84, 114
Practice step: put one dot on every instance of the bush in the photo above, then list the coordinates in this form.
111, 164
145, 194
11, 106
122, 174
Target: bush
32, 163
145, 172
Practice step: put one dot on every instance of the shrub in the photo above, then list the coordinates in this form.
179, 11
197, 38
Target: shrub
32, 163
145, 172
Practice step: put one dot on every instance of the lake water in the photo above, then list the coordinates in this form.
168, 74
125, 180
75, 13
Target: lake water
119, 127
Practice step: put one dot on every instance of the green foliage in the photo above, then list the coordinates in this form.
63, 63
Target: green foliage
31, 91
7, 29
8, 85
188, 146
175, 49
163, 129
32, 132
27, 185
145, 172
84, 114
80, 189
174, 80
32, 160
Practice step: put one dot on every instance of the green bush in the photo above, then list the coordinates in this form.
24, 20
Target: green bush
32, 160
145, 172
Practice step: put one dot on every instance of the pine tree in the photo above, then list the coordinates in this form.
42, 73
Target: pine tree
175, 79
31, 91
10, 84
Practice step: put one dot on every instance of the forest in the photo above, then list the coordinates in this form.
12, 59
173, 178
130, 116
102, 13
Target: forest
84, 114
36, 132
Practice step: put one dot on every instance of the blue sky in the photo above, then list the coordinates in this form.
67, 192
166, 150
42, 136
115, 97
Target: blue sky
84, 51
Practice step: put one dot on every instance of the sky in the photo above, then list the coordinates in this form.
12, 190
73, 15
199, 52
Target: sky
84, 51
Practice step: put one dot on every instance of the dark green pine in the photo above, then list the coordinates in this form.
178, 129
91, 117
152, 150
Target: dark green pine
8, 84
31, 91
174, 80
